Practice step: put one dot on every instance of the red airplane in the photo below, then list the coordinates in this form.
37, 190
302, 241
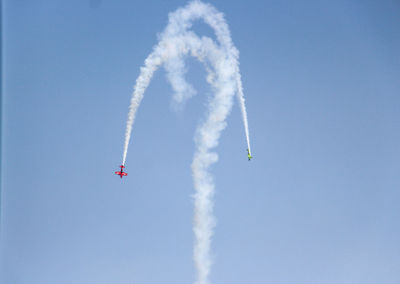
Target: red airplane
121, 173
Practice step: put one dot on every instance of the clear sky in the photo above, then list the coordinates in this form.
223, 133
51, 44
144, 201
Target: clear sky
319, 202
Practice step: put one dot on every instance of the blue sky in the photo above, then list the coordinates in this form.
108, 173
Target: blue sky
319, 203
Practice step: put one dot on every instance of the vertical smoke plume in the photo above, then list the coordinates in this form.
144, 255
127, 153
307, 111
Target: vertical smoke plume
221, 62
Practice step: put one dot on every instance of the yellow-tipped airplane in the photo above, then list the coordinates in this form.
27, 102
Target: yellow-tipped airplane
249, 155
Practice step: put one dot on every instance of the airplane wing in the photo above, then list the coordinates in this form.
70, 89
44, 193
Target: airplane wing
117, 173
124, 174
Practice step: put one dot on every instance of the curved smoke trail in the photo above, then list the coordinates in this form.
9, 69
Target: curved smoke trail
222, 65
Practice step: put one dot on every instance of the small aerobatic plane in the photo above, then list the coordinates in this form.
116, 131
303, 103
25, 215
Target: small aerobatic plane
121, 173
249, 155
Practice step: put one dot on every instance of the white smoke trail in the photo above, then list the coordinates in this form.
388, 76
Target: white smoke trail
243, 109
221, 62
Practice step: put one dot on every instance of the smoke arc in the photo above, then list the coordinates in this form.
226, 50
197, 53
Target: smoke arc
221, 61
